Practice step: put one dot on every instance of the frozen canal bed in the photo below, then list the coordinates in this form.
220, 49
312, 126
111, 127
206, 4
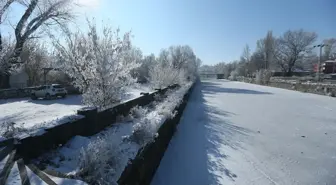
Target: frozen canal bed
238, 133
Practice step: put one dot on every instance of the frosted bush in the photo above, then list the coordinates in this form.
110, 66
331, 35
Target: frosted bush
267, 76
233, 75
263, 77
173, 99
144, 131
148, 124
99, 161
166, 108
138, 112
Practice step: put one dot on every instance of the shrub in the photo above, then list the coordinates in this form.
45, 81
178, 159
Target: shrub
143, 131
233, 75
263, 77
138, 112
99, 161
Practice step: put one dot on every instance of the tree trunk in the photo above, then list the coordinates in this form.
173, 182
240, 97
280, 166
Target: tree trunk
17, 52
0, 41
289, 72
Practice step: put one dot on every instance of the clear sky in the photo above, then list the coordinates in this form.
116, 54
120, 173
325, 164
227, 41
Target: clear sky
217, 30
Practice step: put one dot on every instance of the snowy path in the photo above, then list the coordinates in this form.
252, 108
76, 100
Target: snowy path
238, 133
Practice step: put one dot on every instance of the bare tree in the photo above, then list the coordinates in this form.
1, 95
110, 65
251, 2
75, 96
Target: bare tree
4, 6
265, 47
243, 64
246, 55
329, 49
256, 62
38, 14
268, 48
291, 47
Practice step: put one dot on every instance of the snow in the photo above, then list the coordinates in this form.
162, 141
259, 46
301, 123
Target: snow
63, 181
239, 133
67, 158
36, 115
34, 179
3, 161
14, 176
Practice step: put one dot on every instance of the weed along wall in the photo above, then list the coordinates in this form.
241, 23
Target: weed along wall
142, 168
88, 123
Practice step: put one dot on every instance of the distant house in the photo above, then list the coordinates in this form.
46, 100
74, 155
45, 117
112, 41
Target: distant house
18, 80
220, 76
329, 66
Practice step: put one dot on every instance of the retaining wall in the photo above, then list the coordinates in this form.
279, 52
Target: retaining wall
142, 168
91, 123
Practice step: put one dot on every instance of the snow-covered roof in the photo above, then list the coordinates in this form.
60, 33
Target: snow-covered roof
329, 61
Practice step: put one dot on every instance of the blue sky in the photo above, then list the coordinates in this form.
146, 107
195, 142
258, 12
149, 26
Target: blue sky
217, 30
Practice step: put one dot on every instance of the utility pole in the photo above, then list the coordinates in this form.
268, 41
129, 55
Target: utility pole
319, 61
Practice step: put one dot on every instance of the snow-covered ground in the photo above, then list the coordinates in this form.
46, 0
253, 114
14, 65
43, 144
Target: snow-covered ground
35, 114
29, 113
239, 133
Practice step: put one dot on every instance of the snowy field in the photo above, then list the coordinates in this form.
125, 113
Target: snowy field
35, 114
239, 133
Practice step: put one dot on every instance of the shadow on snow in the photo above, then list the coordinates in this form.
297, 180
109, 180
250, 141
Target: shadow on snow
212, 88
197, 146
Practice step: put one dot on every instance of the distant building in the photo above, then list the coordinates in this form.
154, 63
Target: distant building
220, 76
329, 66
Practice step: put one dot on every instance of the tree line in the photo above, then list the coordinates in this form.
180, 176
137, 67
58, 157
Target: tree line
294, 50
99, 61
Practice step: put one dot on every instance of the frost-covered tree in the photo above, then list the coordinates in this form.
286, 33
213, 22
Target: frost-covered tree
35, 56
142, 72
7, 48
269, 49
99, 63
329, 49
265, 49
176, 64
291, 47
162, 75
